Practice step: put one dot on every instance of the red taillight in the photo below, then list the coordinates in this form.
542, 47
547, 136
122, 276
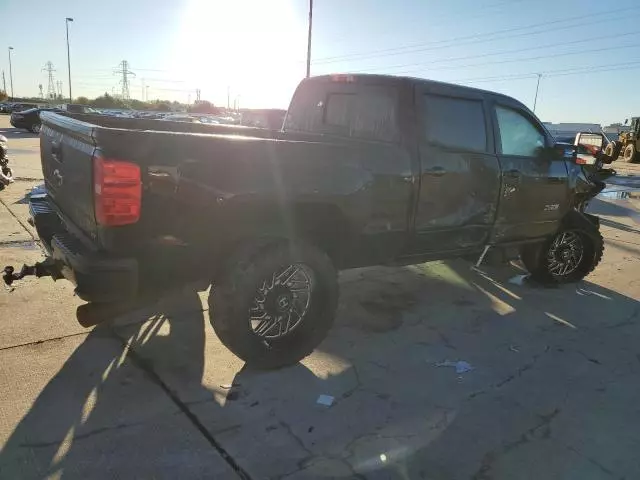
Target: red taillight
117, 191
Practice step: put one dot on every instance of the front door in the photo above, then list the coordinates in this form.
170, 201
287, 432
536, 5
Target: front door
460, 173
535, 188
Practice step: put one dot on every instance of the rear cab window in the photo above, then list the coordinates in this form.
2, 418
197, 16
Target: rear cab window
355, 110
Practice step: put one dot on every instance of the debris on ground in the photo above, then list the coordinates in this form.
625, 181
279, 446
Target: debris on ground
326, 400
519, 279
461, 366
513, 348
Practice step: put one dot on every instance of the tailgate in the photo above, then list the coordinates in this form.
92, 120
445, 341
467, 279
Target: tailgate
66, 151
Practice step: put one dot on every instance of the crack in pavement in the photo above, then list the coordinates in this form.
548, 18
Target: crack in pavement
81, 436
191, 417
38, 342
26, 229
489, 459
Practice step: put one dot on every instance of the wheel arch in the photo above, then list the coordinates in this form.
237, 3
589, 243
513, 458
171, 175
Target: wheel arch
324, 225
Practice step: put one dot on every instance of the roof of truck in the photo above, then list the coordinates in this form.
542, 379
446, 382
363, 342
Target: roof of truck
378, 79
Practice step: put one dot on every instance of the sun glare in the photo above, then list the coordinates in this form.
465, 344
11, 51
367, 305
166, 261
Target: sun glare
254, 47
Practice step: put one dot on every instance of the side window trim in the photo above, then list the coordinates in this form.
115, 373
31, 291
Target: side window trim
490, 146
493, 108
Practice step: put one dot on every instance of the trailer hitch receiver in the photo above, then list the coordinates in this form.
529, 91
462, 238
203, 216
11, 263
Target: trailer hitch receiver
47, 268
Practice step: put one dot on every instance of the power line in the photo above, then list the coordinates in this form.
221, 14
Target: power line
51, 86
123, 70
518, 50
424, 46
497, 62
554, 73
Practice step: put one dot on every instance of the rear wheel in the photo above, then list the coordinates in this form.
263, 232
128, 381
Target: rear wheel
629, 153
274, 303
567, 257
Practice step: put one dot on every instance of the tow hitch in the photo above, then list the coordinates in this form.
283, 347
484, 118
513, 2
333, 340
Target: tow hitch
47, 268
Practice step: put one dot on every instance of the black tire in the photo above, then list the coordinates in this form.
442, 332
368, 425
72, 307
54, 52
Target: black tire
35, 128
238, 287
613, 150
629, 153
539, 259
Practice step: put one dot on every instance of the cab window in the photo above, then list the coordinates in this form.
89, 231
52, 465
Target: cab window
456, 123
518, 135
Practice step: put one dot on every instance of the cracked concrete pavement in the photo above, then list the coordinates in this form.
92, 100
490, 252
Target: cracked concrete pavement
153, 394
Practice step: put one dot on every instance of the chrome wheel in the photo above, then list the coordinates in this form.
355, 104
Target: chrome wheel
36, 128
565, 254
282, 302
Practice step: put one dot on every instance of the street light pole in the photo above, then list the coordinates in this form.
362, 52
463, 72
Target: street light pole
535, 100
10, 72
67, 20
309, 39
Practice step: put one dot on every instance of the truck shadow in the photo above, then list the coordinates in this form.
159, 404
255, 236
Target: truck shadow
125, 389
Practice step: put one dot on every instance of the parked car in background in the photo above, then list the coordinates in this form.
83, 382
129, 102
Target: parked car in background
30, 119
5, 107
19, 107
78, 108
181, 118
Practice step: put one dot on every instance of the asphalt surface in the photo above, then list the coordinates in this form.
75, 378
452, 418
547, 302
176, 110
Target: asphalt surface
550, 389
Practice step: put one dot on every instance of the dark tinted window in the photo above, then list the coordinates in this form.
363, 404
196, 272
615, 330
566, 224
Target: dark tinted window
455, 122
348, 109
369, 112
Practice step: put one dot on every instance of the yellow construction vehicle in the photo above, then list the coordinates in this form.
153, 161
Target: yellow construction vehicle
628, 144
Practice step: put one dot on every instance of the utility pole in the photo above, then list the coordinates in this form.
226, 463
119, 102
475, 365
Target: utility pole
4, 83
309, 39
123, 70
59, 88
41, 94
197, 94
67, 20
51, 86
535, 100
228, 97
11, 73
143, 89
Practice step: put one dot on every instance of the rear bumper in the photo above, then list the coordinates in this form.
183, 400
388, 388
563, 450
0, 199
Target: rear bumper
98, 277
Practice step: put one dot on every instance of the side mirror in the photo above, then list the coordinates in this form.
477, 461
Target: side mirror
590, 140
588, 147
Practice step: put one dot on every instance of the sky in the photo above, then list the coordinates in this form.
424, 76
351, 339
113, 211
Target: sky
253, 51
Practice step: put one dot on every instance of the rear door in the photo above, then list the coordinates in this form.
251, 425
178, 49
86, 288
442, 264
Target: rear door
371, 112
535, 187
66, 151
460, 174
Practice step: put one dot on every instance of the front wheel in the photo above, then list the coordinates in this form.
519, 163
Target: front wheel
629, 153
274, 303
567, 257
35, 128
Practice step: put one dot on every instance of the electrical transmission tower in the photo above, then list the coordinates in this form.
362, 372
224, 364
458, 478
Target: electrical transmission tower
59, 88
124, 72
51, 87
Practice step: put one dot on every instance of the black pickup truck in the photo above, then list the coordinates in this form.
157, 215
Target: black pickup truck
366, 170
